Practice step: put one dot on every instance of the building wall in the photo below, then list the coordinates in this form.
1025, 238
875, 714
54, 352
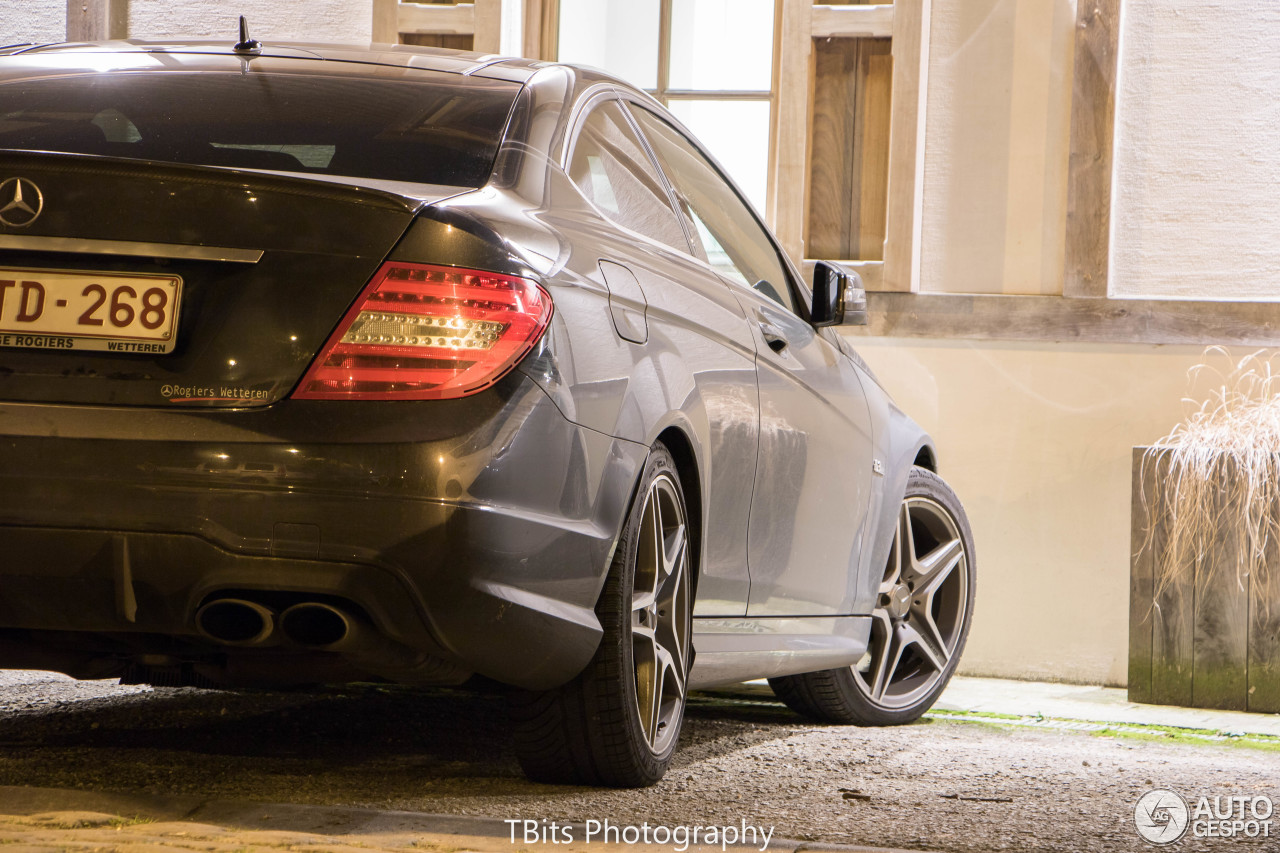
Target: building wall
310, 20
1037, 437
996, 144
33, 21
1037, 441
1196, 209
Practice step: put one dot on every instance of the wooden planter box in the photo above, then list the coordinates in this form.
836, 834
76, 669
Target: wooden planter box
1195, 644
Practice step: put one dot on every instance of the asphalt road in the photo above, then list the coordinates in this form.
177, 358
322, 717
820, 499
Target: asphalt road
940, 784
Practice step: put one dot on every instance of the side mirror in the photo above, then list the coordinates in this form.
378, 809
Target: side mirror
838, 296
855, 301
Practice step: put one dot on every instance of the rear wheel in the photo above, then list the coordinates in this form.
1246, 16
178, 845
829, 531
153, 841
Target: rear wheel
919, 625
617, 723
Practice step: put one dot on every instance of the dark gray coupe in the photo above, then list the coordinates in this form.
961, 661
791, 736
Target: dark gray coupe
322, 364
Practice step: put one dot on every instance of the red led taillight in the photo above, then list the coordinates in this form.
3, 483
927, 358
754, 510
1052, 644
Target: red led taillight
425, 332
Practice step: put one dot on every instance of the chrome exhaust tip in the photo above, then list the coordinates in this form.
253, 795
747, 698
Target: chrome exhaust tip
314, 625
235, 622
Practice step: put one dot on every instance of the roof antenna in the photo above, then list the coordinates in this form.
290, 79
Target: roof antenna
246, 44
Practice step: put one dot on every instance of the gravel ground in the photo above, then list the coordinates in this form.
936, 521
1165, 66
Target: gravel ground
941, 784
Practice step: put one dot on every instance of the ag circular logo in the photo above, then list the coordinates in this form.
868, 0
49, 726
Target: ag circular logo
20, 202
1161, 816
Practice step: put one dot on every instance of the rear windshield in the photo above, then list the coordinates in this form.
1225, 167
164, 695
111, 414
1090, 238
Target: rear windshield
442, 129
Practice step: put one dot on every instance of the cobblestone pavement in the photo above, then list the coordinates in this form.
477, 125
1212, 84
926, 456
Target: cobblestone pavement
224, 764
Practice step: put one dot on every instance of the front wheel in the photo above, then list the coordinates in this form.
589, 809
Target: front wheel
617, 723
923, 609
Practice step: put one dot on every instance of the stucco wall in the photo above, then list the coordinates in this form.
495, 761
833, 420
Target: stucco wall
33, 21
1196, 209
310, 20
1037, 441
997, 138
1037, 437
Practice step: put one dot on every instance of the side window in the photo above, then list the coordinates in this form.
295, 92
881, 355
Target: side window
610, 166
732, 239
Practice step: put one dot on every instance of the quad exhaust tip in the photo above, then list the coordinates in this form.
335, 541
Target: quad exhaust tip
310, 624
235, 622
316, 625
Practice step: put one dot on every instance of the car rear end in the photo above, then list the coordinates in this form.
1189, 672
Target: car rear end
258, 418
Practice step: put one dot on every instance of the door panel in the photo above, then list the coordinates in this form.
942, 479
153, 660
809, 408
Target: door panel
812, 479
812, 482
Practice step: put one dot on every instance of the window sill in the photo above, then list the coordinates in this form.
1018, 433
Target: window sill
1055, 318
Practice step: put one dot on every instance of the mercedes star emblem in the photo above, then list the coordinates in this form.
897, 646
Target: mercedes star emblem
20, 202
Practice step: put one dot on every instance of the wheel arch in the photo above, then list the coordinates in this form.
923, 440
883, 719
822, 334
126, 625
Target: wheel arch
925, 459
682, 451
904, 445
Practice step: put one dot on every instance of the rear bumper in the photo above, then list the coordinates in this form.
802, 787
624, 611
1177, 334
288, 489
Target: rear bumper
474, 534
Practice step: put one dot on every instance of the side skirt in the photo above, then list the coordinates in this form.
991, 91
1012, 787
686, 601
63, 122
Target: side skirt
733, 649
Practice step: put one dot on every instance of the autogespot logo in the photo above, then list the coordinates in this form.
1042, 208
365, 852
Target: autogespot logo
1162, 817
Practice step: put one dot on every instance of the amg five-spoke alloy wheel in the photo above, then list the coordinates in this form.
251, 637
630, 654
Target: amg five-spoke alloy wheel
660, 624
921, 619
617, 723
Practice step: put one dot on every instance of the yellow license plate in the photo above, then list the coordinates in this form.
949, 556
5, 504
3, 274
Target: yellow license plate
67, 309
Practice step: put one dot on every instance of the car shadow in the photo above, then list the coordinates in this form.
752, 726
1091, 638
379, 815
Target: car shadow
356, 745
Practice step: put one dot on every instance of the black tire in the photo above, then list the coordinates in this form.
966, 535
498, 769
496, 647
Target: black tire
617, 723
884, 690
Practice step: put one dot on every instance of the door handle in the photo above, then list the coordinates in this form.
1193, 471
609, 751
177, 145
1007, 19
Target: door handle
773, 338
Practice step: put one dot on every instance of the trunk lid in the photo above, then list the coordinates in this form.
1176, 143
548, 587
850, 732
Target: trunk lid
260, 267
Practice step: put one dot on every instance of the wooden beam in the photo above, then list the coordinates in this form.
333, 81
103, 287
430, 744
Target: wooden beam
1144, 544
1172, 642
853, 21
1264, 632
550, 46
1093, 109
1161, 610
386, 28
793, 58
533, 40
872, 273
1054, 318
911, 23
97, 20
459, 19
1220, 623
488, 26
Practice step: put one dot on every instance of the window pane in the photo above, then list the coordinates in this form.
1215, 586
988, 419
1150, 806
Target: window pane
611, 168
433, 130
620, 36
732, 239
737, 134
722, 44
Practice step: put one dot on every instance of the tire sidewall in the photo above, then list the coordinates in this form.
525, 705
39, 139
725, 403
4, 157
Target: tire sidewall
615, 657
922, 483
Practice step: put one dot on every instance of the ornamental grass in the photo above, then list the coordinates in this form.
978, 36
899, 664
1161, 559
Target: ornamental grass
1217, 481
